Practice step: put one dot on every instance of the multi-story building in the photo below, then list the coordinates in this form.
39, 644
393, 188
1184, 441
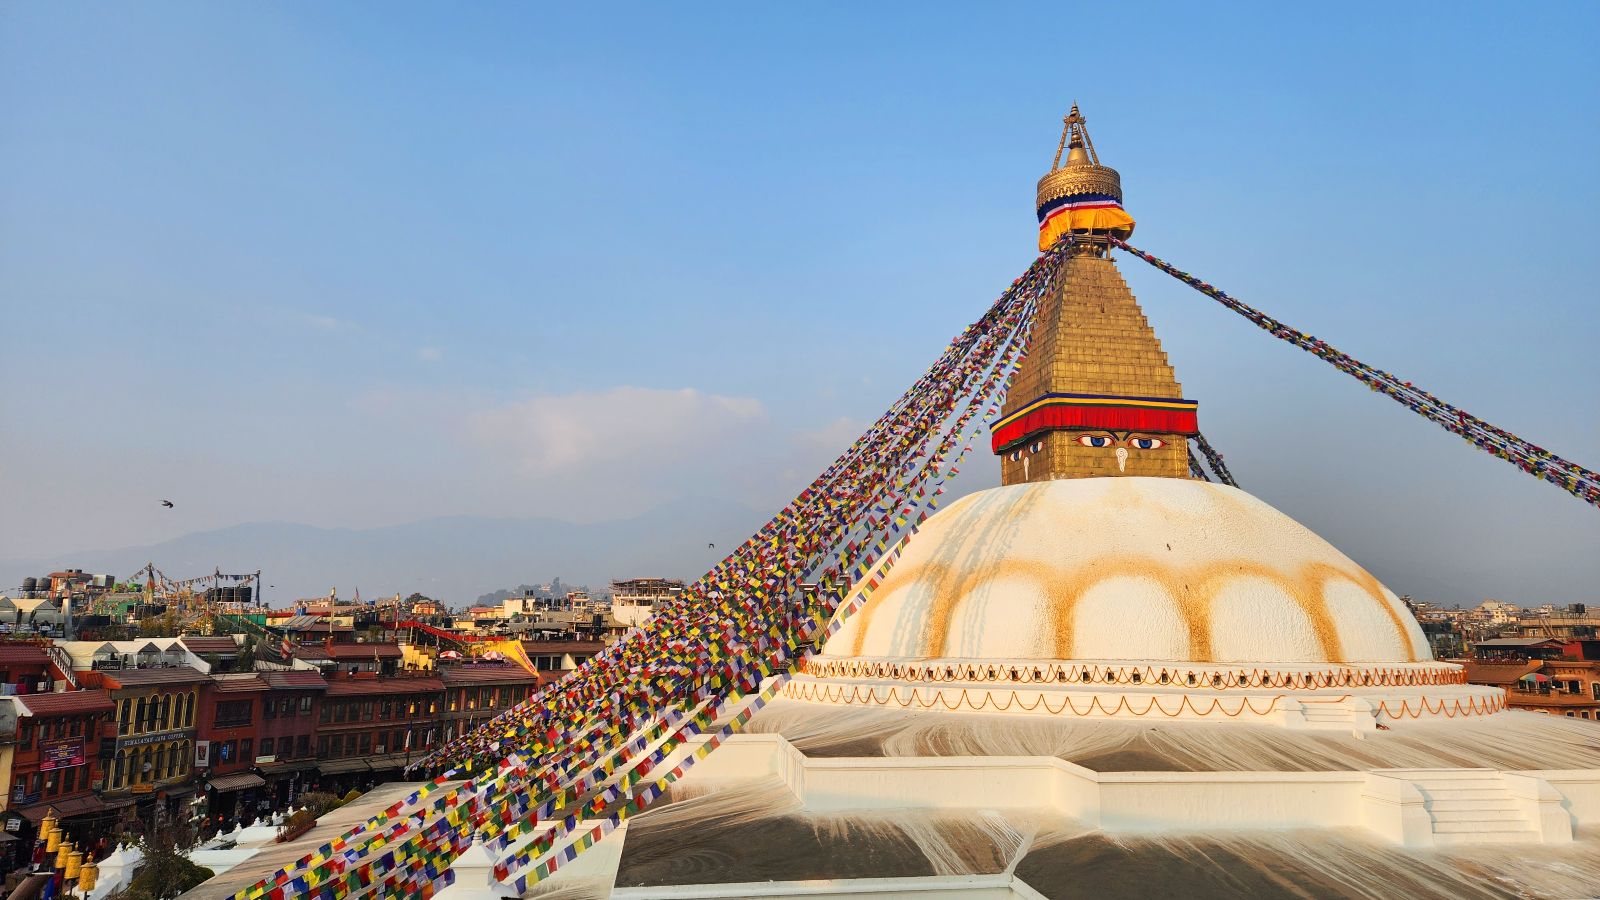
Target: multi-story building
229, 722
370, 727
1542, 674
56, 764
633, 601
346, 659
477, 692
286, 751
153, 753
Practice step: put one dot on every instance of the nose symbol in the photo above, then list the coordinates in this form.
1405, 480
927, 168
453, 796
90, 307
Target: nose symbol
1122, 459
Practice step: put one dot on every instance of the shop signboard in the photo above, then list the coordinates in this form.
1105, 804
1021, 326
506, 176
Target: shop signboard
60, 754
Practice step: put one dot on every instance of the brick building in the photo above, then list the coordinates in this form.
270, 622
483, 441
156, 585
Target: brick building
370, 727
286, 751
229, 721
56, 764
475, 693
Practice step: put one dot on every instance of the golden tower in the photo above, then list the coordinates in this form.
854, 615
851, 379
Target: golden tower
1095, 395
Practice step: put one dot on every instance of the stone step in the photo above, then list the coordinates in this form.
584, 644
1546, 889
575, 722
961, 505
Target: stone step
1486, 837
1487, 793
1485, 805
1464, 784
1497, 816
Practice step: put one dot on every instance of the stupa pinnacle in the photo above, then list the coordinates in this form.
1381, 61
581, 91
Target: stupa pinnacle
1095, 395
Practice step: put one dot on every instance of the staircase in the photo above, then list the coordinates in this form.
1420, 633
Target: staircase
63, 664
1343, 714
1473, 806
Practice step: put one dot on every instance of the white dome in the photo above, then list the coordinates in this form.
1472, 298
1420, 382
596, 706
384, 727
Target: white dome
1127, 568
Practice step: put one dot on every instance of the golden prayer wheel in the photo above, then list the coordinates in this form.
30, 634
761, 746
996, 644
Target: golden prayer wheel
63, 854
87, 876
74, 864
52, 837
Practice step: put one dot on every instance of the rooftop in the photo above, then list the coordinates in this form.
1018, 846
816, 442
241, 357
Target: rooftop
487, 674
237, 684
126, 678
66, 703
296, 680
202, 644
15, 654
399, 684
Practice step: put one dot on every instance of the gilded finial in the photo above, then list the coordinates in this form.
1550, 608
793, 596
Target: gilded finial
1079, 195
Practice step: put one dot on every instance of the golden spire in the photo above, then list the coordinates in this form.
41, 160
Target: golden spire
1095, 395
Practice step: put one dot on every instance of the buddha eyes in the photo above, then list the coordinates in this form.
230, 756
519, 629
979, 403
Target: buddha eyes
1036, 447
1101, 440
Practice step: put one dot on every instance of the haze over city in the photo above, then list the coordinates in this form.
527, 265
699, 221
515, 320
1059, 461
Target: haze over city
299, 268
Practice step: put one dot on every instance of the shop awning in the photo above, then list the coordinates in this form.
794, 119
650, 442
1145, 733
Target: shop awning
342, 766
65, 809
392, 761
236, 781
284, 768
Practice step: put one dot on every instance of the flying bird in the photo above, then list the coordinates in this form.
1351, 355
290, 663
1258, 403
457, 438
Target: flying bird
167, 503
711, 546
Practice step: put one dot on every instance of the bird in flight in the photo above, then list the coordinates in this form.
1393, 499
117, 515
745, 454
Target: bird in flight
167, 503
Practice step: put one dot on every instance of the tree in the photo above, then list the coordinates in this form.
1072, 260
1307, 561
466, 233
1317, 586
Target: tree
166, 871
246, 660
165, 625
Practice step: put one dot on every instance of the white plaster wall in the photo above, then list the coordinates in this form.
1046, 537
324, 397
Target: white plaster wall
1116, 568
1383, 802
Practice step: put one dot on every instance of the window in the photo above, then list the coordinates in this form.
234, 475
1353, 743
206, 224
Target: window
188, 720
233, 713
185, 757
166, 712
161, 762
269, 709
247, 749
125, 721
366, 742
302, 745
120, 771
366, 710
305, 705
227, 752
69, 779
266, 746
25, 736
52, 783
138, 719
322, 744
386, 709
327, 713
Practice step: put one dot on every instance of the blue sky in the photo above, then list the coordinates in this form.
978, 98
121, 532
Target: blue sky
363, 264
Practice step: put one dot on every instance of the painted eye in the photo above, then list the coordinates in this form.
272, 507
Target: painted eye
1095, 440
1147, 443
1016, 455
1036, 446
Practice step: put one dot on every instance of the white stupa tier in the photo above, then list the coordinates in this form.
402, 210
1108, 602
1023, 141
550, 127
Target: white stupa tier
1133, 596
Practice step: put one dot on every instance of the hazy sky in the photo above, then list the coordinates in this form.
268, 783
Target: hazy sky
361, 264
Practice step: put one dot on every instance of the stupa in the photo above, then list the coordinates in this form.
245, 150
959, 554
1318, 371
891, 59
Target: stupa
1107, 678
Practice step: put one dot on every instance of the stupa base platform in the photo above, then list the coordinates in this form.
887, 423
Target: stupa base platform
762, 818
1315, 696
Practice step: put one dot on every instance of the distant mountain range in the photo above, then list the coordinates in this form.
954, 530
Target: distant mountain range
453, 560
